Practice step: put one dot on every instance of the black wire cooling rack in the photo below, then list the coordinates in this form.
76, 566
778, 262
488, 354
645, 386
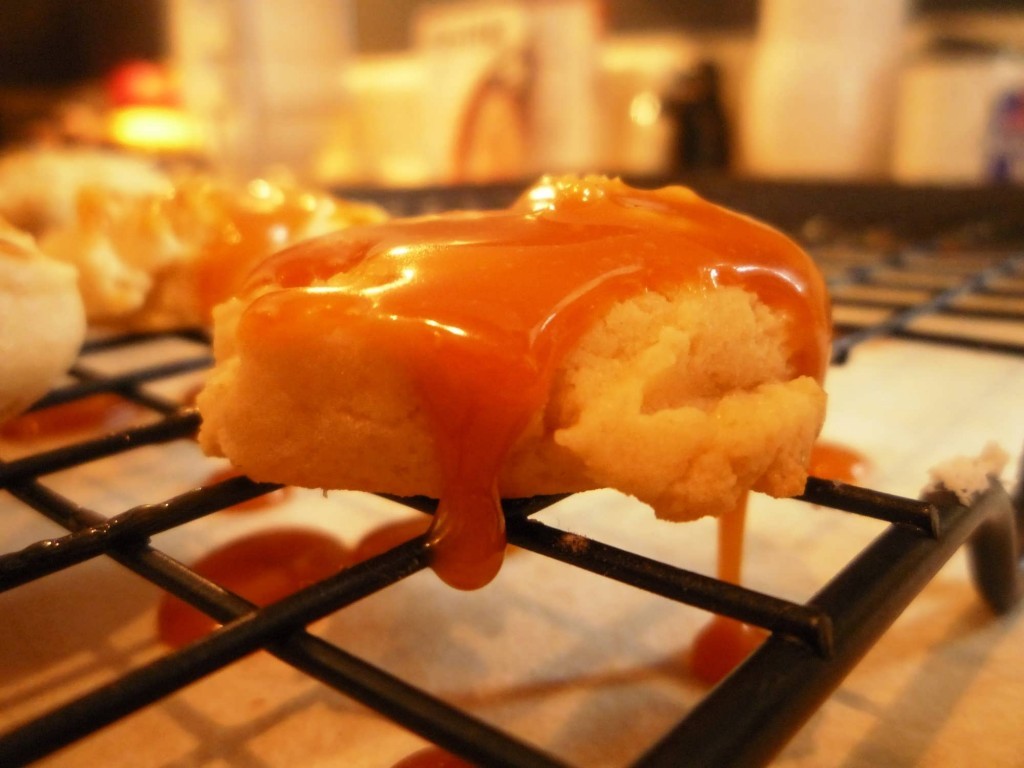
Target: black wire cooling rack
879, 290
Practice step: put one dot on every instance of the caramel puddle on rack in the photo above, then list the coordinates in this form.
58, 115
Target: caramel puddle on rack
484, 358
834, 461
270, 565
104, 412
725, 642
263, 568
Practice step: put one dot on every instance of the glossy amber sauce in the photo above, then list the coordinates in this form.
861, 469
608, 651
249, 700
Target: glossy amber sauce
480, 308
834, 461
725, 642
97, 413
263, 568
250, 227
433, 757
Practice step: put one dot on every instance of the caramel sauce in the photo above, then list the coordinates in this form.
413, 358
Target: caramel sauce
725, 642
99, 413
722, 646
250, 227
832, 461
254, 504
433, 757
227, 230
731, 527
481, 308
262, 568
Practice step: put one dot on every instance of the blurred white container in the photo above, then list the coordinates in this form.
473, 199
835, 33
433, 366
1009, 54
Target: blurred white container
566, 47
385, 141
947, 128
265, 79
636, 136
510, 88
822, 88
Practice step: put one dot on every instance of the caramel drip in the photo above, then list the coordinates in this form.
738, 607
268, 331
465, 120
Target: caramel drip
731, 527
480, 308
725, 642
832, 461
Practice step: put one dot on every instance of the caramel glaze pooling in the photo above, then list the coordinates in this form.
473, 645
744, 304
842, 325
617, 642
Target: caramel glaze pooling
249, 227
481, 308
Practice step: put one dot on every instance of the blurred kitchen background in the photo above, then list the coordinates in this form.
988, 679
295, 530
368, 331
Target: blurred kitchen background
410, 93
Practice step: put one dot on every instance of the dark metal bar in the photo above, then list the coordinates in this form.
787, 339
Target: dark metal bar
132, 338
850, 209
864, 501
133, 527
808, 624
995, 552
124, 384
984, 314
963, 342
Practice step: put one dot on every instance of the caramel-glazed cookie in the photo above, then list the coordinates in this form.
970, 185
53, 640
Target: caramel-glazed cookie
589, 336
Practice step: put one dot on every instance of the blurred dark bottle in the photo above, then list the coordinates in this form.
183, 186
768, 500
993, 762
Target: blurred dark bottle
694, 104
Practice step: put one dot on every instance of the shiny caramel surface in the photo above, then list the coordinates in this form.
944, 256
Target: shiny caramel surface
247, 227
104, 412
481, 308
725, 642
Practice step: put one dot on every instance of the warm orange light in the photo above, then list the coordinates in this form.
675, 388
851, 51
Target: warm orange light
141, 83
154, 128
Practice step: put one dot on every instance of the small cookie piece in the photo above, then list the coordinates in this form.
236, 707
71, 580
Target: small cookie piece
39, 187
591, 335
164, 260
42, 321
